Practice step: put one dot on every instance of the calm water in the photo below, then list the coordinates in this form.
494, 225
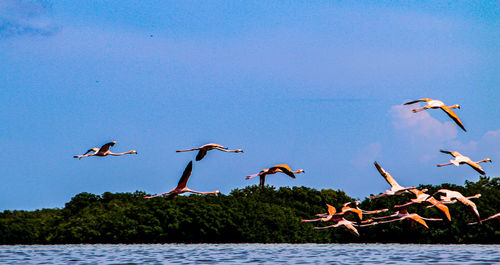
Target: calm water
251, 254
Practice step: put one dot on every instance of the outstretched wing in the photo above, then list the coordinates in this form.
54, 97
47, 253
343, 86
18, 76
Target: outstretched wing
476, 167
440, 206
453, 116
453, 153
201, 154
352, 229
88, 151
105, 148
386, 175
285, 169
416, 101
331, 209
256, 175
415, 217
185, 175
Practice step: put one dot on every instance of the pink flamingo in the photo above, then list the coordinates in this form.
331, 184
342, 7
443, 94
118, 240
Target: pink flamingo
207, 147
396, 189
273, 170
424, 197
403, 215
104, 151
461, 159
454, 196
181, 186
343, 222
437, 104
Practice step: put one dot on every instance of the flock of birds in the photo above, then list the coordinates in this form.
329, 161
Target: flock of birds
349, 208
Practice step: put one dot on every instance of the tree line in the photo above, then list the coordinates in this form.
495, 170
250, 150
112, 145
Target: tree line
250, 214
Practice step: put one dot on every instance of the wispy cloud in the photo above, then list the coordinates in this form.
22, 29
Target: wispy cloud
425, 133
26, 17
422, 124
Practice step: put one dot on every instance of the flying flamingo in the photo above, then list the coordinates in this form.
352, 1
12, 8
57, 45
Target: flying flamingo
396, 189
104, 151
403, 215
181, 186
495, 216
461, 159
437, 104
207, 147
424, 197
446, 200
273, 170
453, 196
330, 216
343, 222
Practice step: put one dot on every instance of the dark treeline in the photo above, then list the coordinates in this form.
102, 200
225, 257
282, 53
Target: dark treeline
245, 215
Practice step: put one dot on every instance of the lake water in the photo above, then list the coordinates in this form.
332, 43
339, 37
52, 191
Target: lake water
251, 254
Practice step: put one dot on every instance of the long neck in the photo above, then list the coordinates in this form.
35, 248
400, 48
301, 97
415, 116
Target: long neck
298, 171
484, 160
203, 192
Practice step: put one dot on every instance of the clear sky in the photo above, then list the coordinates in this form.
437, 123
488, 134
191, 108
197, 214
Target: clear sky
316, 85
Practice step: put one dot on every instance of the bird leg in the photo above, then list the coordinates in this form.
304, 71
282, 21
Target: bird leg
157, 195
187, 150
420, 109
80, 156
446, 164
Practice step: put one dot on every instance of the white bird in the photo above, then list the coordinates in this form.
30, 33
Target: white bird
396, 189
437, 104
181, 186
104, 151
461, 159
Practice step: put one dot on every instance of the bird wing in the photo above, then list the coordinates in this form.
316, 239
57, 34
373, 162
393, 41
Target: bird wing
357, 213
476, 167
105, 148
256, 175
440, 206
453, 153
212, 145
185, 175
386, 175
201, 154
331, 209
416, 101
466, 201
88, 151
352, 229
285, 169
378, 196
453, 116
415, 217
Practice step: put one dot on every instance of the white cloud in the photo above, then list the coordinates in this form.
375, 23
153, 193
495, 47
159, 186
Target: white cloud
487, 146
422, 124
25, 17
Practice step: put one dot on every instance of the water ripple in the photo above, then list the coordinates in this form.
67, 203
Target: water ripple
251, 254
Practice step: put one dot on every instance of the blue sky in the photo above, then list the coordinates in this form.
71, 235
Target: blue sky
318, 86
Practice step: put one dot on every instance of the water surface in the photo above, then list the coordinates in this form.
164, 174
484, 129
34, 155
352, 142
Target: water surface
250, 254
